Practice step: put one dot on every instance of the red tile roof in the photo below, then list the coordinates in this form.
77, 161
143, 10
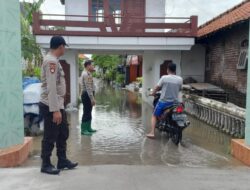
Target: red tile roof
234, 15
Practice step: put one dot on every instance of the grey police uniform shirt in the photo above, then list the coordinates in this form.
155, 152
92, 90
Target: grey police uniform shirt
170, 85
87, 84
53, 83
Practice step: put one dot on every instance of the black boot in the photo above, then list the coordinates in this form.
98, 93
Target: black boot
48, 168
65, 164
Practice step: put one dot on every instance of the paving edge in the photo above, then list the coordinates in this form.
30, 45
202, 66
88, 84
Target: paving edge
16, 155
240, 151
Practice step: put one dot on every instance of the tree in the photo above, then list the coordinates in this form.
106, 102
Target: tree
31, 51
108, 65
30, 8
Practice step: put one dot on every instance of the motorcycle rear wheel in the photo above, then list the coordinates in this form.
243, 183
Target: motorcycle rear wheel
176, 137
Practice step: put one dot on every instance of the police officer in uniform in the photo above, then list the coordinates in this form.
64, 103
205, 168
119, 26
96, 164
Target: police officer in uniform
88, 99
56, 130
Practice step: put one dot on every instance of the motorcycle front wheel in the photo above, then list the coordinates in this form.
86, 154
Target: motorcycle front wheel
176, 136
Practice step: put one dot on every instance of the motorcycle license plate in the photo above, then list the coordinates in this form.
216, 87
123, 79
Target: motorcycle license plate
178, 117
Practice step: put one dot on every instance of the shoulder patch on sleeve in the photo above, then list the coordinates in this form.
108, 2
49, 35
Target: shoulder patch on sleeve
52, 67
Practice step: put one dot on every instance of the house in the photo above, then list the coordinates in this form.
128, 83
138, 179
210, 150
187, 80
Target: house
226, 41
124, 27
133, 68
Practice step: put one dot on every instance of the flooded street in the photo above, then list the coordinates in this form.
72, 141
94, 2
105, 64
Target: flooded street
122, 120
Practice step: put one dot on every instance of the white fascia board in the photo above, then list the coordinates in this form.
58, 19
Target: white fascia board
122, 43
129, 47
118, 40
74, 40
180, 41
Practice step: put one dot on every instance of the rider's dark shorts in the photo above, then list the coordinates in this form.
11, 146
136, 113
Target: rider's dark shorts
160, 107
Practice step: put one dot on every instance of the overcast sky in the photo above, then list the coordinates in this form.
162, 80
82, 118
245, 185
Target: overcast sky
206, 10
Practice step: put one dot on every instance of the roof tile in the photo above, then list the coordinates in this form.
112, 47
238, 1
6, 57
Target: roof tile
234, 15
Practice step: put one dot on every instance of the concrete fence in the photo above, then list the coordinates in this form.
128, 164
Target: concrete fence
227, 118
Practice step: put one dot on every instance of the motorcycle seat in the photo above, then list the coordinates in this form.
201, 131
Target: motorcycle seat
170, 108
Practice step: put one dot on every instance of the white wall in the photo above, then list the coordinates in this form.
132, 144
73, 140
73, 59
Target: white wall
193, 63
80, 7
151, 68
155, 8
71, 58
76, 7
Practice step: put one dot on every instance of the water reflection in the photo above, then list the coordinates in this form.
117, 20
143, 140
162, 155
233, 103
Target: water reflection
122, 121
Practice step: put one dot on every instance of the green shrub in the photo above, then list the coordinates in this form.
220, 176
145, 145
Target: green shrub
108, 76
120, 79
32, 72
139, 79
96, 75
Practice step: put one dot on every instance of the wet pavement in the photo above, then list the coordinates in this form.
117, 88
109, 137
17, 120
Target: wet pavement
124, 177
122, 120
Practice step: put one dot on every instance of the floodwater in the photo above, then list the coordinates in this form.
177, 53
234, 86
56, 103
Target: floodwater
122, 120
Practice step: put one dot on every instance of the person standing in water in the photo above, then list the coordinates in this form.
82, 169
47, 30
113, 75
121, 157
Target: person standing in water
88, 98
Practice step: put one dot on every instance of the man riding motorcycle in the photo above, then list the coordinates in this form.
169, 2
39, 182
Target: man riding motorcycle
170, 86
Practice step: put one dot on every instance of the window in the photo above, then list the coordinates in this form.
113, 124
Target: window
243, 58
97, 10
115, 10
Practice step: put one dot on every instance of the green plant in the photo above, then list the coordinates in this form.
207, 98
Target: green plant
96, 75
31, 51
32, 71
120, 79
140, 81
108, 76
37, 72
30, 8
107, 64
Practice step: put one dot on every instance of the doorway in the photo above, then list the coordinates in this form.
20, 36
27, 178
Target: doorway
66, 69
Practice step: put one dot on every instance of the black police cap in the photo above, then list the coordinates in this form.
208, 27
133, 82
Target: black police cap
57, 41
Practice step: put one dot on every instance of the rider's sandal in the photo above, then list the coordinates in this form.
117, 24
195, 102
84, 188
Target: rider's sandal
150, 136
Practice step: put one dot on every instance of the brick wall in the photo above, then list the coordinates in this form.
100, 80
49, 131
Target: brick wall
223, 50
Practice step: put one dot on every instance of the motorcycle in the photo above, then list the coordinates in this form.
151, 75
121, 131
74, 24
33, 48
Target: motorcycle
173, 120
